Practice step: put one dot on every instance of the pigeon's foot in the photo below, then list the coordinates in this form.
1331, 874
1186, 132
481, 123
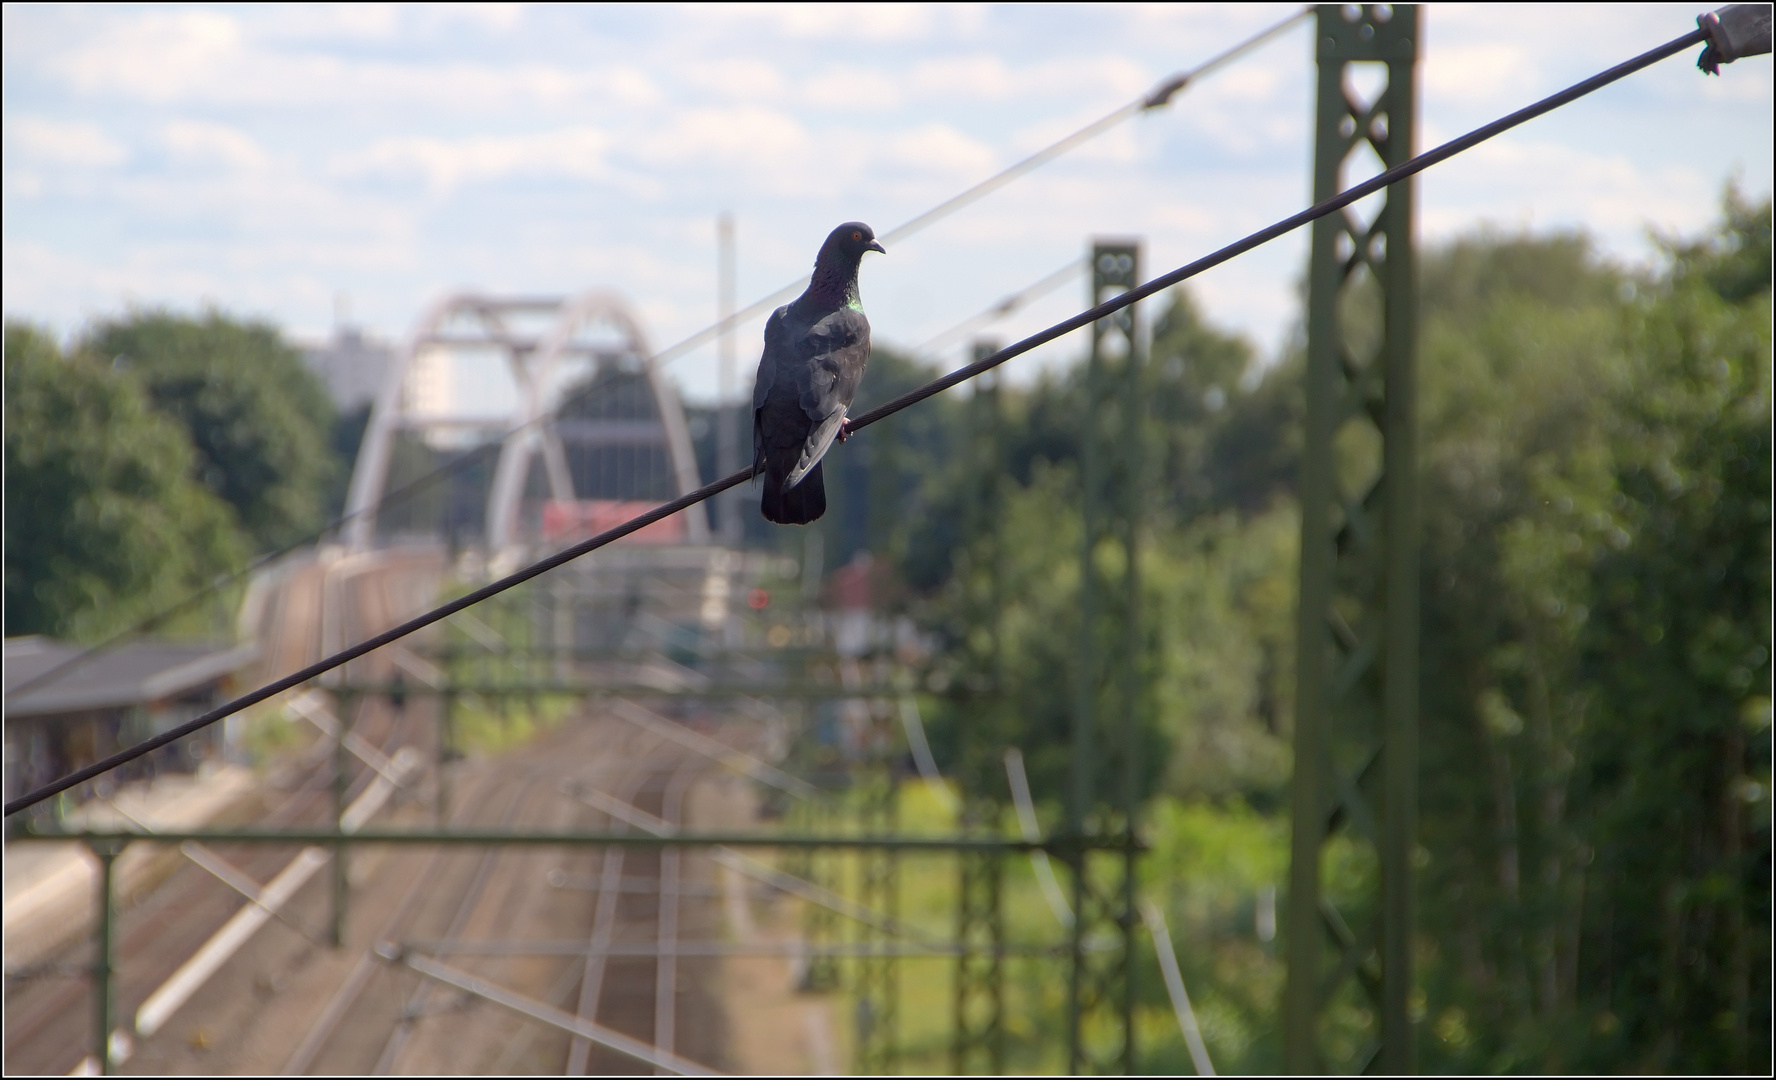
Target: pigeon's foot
845, 431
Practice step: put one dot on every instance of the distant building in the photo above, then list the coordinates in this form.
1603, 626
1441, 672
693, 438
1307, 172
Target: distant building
431, 385
850, 590
352, 366
115, 699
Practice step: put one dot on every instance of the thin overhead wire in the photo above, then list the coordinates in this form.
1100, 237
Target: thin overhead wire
1026, 818
215, 586
1006, 306
1159, 96
1174, 980
881, 412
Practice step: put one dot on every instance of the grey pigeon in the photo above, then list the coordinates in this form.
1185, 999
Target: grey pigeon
815, 349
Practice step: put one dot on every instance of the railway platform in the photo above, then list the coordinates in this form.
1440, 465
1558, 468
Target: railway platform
50, 889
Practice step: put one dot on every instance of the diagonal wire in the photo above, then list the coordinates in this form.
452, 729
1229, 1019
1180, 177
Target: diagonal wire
1160, 96
881, 412
1006, 306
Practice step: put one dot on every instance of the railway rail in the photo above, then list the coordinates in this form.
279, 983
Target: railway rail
48, 1028
381, 1018
640, 993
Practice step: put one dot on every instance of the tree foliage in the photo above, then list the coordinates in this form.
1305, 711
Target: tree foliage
1596, 704
1596, 470
104, 522
260, 421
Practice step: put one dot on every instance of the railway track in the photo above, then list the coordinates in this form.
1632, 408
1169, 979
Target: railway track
49, 1015
376, 1018
391, 1021
48, 1028
289, 1002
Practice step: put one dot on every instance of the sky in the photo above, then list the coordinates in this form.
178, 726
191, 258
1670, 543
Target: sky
303, 164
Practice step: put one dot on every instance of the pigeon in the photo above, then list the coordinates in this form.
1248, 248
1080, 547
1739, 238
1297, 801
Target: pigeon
815, 349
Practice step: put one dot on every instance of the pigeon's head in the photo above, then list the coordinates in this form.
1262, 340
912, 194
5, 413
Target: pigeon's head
851, 240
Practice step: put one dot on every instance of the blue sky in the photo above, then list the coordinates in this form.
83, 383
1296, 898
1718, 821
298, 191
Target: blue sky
269, 160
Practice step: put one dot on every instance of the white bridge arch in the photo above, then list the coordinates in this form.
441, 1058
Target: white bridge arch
543, 342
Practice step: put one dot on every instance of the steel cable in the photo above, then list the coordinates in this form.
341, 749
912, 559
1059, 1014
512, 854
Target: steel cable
1159, 96
1006, 306
881, 412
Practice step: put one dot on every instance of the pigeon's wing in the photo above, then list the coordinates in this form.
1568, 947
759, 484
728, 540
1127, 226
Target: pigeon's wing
831, 356
777, 351
820, 440
829, 365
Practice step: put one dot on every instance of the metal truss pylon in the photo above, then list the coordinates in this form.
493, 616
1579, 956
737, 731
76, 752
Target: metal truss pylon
977, 1043
1357, 635
1100, 1020
878, 975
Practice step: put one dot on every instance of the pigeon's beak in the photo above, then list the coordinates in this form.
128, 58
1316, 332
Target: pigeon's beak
873, 246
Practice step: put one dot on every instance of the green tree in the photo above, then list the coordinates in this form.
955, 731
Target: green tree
1216, 584
1733, 260
1596, 657
1521, 354
260, 421
1596, 674
1227, 439
1676, 663
104, 522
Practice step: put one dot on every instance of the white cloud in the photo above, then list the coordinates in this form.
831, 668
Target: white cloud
1481, 73
356, 22
941, 149
762, 140
158, 57
501, 18
23, 185
65, 142
207, 143
1586, 38
42, 280
1246, 85
966, 80
204, 57
267, 157
738, 78
980, 77
1196, 22
844, 22
852, 90
1749, 84
445, 164
261, 217
372, 22
1608, 194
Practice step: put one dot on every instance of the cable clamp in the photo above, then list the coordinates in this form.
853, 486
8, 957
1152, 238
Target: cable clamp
1163, 93
1735, 31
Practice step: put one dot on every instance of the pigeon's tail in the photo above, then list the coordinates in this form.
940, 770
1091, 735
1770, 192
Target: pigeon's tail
800, 504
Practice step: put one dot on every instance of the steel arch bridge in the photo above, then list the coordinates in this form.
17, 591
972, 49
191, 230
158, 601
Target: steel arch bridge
588, 403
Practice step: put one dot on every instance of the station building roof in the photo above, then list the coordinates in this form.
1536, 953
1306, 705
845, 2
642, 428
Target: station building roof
140, 673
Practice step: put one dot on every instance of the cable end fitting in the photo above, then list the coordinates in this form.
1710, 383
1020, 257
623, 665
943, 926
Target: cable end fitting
1735, 31
1163, 93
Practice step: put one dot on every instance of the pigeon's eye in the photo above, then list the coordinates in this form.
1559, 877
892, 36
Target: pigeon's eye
857, 236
